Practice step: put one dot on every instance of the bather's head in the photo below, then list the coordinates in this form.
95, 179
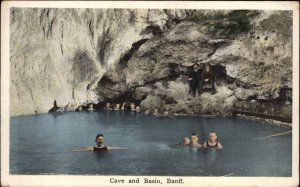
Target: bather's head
99, 140
132, 106
212, 137
138, 108
194, 138
195, 67
91, 106
186, 141
147, 111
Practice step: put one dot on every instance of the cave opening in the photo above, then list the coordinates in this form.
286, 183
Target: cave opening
151, 29
174, 74
220, 73
126, 97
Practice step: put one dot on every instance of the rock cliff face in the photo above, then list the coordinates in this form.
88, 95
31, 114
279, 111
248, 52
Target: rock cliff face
79, 56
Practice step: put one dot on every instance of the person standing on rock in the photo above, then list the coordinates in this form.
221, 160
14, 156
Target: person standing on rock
208, 76
194, 78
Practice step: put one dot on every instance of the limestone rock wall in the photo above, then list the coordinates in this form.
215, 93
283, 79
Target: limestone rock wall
78, 56
61, 54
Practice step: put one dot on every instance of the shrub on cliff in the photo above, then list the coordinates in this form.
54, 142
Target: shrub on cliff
239, 22
235, 22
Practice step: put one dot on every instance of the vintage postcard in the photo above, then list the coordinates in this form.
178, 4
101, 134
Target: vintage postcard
170, 93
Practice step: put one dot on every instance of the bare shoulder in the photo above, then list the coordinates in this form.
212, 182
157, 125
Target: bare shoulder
220, 146
197, 145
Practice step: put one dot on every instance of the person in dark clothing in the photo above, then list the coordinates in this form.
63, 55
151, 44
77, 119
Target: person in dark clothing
100, 145
54, 108
194, 78
55, 104
212, 141
208, 76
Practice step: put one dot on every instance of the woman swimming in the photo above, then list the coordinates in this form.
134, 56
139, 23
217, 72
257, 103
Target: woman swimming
185, 142
212, 141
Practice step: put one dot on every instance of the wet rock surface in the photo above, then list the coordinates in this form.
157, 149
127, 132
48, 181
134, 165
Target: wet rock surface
83, 56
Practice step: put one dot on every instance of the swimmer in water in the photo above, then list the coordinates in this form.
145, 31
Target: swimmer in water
79, 108
138, 109
91, 107
194, 141
117, 107
185, 142
212, 141
100, 146
132, 107
108, 106
155, 112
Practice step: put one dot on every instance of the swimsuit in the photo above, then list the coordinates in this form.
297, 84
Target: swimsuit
100, 148
212, 146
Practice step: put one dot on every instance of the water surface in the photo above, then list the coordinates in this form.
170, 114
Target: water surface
42, 144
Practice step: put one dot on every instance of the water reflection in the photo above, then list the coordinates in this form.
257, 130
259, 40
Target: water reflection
56, 114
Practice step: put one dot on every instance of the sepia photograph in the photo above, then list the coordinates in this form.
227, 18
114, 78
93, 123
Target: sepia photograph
149, 95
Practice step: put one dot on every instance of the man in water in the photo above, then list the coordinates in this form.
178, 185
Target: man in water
117, 106
79, 108
108, 106
138, 109
100, 145
99, 141
212, 141
208, 75
155, 112
194, 141
194, 79
91, 107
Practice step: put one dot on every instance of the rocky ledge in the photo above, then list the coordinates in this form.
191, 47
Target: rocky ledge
83, 56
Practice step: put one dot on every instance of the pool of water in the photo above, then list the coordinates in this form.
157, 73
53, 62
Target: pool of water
42, 144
